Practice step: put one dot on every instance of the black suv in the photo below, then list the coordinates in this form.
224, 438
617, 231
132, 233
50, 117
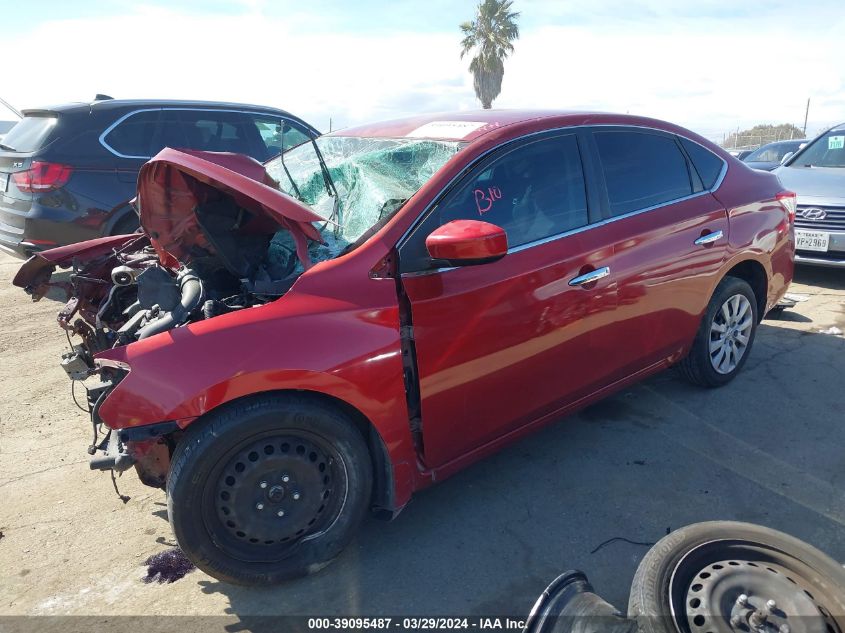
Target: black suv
68, 172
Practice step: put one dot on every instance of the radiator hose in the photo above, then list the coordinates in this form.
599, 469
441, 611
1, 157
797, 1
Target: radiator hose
190, 286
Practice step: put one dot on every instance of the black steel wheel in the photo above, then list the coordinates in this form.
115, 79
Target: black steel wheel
273, 493
726, 577
268, 489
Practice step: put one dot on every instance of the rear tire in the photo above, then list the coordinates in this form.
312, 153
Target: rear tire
126, 225
725, 336
268, 489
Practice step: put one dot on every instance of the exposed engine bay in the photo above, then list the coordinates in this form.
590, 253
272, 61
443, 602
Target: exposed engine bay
129, 295
208, 247
204, 251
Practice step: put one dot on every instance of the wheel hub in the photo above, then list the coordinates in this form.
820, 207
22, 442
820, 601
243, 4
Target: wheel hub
737, 595
274, 491
276, 494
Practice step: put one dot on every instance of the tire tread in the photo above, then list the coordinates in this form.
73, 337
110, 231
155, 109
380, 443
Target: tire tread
695, 366
203, 433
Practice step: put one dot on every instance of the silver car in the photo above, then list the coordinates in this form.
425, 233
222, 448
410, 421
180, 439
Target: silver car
816, 173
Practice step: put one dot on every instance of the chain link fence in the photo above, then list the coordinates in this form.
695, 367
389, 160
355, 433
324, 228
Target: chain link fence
753, 141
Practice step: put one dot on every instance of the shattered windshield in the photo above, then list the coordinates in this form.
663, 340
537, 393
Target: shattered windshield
373, 177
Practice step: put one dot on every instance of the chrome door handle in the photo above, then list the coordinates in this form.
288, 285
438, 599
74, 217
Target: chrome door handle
595, 275
709, 238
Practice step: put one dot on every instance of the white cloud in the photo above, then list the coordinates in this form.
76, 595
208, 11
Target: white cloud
157, 53
708, 73
708, 79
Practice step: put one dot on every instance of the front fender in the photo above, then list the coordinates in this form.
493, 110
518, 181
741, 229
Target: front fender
300, 342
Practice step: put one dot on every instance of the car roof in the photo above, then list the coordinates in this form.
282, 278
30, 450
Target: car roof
470, 125
464, 125
118, 104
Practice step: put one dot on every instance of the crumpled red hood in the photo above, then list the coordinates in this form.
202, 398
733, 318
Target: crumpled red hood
174, 182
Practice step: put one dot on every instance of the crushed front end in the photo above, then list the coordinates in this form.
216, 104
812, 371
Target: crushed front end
216, 238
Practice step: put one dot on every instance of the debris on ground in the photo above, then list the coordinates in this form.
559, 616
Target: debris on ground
624, 540
832, 330
796, 297
167, 566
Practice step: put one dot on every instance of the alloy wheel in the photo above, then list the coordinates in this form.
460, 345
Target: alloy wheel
730, 333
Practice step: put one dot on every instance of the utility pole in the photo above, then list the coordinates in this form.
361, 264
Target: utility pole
806, 114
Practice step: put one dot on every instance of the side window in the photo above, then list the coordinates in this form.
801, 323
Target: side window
534, 191
217, 131
706, 163
641, 169
133, 136
276, 133
170, 133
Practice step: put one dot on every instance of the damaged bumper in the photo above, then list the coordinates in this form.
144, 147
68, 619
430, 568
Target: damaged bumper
147, 448
115, 455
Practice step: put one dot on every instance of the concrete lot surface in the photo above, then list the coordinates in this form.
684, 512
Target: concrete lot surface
769, 448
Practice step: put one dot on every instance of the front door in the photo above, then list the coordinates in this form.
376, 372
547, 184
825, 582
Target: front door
499, 345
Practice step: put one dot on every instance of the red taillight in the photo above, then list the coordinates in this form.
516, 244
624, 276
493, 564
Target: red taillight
41, 177
790, 202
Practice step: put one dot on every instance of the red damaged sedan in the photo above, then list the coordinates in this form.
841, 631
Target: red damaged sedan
287, 346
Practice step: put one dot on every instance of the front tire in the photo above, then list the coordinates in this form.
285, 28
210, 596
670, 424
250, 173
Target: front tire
268, 489
725, 336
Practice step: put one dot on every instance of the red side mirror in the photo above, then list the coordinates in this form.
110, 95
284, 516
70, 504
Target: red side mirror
467, 242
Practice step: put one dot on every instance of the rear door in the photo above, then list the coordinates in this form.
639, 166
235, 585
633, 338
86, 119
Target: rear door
130, 140
502, 344
670, 239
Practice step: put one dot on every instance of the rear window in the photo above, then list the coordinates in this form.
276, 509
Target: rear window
706, 163
133, 136
30, 133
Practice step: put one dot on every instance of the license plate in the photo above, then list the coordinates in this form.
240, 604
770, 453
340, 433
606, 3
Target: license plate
4, 182
812, 240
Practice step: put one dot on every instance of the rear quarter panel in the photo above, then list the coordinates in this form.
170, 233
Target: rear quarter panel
760, 229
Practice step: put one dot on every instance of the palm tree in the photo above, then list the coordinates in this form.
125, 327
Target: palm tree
491, 36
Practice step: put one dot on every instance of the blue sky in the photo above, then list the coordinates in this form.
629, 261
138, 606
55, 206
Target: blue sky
712, 65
